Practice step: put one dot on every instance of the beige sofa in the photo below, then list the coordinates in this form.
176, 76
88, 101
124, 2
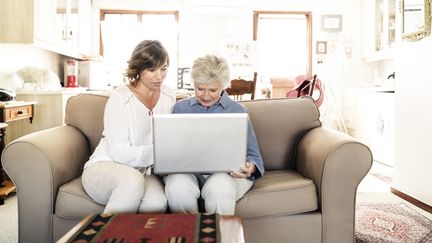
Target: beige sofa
306, 195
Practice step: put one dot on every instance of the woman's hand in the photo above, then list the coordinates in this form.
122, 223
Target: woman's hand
245, 171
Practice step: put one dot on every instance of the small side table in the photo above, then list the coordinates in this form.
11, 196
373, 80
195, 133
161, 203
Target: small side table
11, 111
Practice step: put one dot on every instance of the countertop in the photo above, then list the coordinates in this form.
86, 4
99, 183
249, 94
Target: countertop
62, 91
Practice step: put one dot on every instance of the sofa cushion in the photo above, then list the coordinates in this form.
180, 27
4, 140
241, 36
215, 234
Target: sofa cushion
85, 112
74, 203
278, 125
278, 193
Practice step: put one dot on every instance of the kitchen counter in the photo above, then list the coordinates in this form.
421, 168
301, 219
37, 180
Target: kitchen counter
65, 91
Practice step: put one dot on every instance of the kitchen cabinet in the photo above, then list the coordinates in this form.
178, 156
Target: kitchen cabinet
378, 29
60, 26
369, 116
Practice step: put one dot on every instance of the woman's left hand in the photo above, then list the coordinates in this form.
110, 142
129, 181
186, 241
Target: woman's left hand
245, 171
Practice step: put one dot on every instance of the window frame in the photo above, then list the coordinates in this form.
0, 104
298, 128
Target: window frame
308, 16
139, 14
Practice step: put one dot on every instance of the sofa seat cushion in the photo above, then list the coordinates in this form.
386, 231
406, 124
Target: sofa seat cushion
278, 193
74, 203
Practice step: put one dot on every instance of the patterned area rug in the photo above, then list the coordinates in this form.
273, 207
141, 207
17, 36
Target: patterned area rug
391, 222
167, 228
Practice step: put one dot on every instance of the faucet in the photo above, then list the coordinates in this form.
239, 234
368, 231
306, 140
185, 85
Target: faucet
391, 75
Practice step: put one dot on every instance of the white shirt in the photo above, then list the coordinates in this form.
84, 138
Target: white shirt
127, 137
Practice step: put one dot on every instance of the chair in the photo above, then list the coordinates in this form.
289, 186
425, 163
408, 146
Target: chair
240, 87
303, 88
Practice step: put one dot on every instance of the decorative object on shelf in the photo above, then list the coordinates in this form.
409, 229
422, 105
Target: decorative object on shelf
183, 79
331, 23
416, 19
321, 47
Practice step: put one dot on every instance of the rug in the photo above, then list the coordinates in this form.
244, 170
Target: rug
178, 228
391, 222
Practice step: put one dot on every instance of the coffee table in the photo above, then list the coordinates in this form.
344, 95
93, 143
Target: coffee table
230, 228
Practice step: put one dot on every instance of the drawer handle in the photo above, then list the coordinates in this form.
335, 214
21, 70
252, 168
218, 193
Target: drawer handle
20, 112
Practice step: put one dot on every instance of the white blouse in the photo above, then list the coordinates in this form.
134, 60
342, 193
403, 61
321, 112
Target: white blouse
127, 137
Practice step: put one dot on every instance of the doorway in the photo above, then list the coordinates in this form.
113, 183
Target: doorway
284, 48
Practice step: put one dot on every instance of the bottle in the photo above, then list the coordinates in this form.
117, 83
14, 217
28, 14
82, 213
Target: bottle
70, 73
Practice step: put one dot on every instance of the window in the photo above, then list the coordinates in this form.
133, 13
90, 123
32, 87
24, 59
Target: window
122, 30
283, 43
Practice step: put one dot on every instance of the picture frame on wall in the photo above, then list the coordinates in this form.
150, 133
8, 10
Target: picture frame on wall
321, 47
331, 23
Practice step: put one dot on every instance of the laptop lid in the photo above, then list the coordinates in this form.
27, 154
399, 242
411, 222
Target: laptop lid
199, 142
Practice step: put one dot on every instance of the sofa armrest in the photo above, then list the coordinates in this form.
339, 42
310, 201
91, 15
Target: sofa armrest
38, 164
336, 163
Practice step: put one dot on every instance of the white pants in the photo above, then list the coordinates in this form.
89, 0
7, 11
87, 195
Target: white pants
124, 189
220, 193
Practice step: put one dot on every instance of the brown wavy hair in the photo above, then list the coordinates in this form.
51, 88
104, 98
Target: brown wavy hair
148, 54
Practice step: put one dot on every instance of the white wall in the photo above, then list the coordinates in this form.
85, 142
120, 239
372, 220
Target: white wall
413, 135
201, 34
16, 56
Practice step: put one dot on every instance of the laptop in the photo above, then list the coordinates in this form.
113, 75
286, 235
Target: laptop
199, 142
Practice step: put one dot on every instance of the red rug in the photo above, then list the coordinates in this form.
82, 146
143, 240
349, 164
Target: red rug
391, 222
154, 228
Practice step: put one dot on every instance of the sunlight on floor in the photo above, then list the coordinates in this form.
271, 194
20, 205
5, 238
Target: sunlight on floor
375, 187
371, 182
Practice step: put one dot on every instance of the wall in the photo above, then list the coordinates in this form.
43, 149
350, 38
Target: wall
413, 135
205, 27
16, 56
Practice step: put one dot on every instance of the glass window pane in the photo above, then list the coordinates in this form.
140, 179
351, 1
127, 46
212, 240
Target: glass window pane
122, 32
282, 45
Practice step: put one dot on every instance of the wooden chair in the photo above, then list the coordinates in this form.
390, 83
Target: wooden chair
240, 87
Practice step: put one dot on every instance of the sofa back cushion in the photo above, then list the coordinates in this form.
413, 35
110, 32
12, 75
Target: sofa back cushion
85, 112
278, 125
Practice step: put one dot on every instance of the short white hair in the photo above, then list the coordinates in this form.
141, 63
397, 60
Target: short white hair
211, 69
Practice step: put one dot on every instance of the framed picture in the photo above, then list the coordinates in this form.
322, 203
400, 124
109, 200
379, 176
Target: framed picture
321, 47
331, 23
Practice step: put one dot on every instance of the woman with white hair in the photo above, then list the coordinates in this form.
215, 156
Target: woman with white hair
220, 191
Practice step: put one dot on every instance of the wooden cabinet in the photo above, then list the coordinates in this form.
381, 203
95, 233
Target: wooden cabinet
17, 112
11, 112
369, 116
49, 112
61, 26
378, 29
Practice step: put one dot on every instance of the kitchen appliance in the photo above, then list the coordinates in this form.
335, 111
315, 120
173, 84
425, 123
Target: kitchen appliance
7, 94
93, 75
70, 73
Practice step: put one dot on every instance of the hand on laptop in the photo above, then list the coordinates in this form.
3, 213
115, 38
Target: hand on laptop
245, 171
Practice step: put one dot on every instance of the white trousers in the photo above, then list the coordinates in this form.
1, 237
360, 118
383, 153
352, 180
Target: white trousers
220, 193
124, 189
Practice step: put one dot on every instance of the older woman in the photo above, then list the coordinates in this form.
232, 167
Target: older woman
220, 191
